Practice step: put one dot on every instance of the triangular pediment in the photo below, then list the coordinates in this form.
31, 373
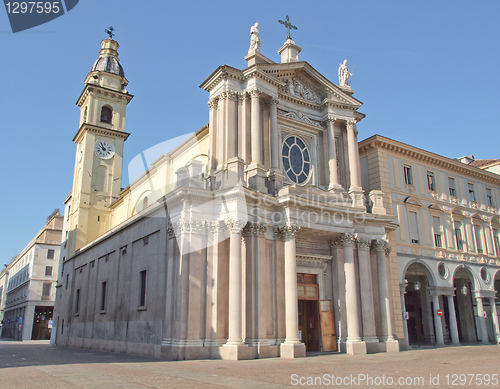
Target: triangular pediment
301, 80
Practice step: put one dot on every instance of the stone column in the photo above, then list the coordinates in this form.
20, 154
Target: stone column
355, 190
453, 321
275, 147
437, 321
212, 133
354, 345
366, 289
234, 341
402, 289
494, 318
276, 177
482, 321
386, 320
292, 347
256, 173
256, 128
332, 155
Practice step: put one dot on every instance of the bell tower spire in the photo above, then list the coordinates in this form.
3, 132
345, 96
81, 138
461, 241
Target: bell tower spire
100, 140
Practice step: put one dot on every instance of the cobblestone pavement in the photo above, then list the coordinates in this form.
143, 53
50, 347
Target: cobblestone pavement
38, 365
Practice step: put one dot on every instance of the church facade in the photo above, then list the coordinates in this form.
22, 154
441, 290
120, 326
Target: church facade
253, 238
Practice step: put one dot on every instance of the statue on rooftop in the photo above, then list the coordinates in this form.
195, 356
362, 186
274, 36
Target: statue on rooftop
344, 74
254, 38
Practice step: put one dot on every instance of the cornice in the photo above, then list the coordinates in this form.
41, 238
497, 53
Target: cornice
100, 131
104, 91
221, 73
418, 155
255, 71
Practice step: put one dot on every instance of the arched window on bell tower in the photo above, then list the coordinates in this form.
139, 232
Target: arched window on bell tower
106, 114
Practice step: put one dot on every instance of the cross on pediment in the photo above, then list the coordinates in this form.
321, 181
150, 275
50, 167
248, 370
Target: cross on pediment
288, 26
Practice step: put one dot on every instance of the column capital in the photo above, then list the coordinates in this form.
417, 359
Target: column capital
229, 95
187, 227
380, 245
287, 230
364, 243
255, 93
235, 225
213, 102
330, 119
244, 96
348, 239
254, 229
351, 126
273, 100
217, 227
335, 243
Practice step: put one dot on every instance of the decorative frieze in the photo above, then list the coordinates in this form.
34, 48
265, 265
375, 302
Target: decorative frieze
296, 88
298, 116
315, 264
254, 229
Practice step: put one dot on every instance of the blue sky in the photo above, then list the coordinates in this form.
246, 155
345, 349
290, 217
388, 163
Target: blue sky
426, 71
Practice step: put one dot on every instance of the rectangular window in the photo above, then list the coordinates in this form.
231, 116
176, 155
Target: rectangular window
408, 175
46, 290
414, 227
103, 296
437, 231
458, 236
489, 197
77, 301
451, 184
48, 270
50, 254
142, 289
472, 196
497, 242
479, 242
430, 181
69, 212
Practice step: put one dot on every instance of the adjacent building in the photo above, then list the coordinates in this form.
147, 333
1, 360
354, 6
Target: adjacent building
250, 239
27, 286
447, 244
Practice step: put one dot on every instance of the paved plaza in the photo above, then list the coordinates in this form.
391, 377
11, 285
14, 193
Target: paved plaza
39, 365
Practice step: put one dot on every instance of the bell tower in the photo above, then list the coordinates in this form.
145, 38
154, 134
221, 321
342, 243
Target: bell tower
99, 151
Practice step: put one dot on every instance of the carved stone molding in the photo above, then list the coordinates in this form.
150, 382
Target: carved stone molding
316, 264
287, 230
235, 225
364, 243
254, 229
348, 239
298, 116
296, 88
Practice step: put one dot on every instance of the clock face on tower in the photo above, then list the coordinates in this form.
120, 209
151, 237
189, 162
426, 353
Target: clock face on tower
104, 150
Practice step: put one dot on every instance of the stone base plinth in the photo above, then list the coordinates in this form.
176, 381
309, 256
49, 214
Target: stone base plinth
236, 352
391, 346
355, 348
294, 350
